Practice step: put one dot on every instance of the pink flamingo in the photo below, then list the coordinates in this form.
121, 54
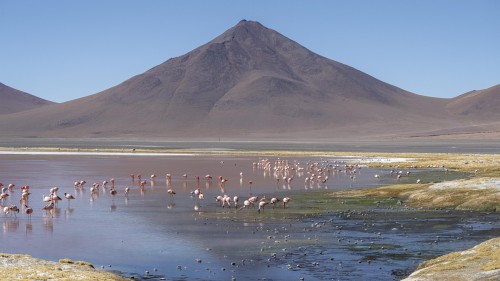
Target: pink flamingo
171, 192
273, 201
49, 208
226, 200
235, 200
69, 197
285, 201
262, 204
246, 204
28, 211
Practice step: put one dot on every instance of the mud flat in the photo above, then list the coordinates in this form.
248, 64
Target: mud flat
25, 267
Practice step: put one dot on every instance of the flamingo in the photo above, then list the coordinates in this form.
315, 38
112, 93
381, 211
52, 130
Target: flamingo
28, 211
24, 196
253, 199
226, 200
12, 208
262, 204
69, 197
285, 201
235, 200
197, 191
220, 199
49, 208
171, 192
54, 190
46, 198
3, 196
55, 198
273, 201
246, 204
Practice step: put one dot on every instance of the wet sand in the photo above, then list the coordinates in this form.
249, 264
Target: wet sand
166, 236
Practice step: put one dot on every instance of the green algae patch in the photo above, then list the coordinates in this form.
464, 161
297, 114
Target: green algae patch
84, 263
25, 267
481, 262
479, 194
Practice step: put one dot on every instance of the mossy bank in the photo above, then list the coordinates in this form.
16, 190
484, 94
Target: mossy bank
25, 267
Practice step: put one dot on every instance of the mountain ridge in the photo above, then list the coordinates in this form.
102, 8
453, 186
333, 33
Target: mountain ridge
14, 100
248, 81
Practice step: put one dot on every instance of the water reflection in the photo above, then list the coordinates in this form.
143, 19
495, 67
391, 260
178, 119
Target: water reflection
28, 228
48, 225
10, 226
67, 212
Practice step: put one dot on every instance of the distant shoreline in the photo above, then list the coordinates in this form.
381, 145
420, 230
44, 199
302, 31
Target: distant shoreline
215, 145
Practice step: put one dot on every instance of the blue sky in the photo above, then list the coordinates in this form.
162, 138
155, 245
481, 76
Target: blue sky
63, 50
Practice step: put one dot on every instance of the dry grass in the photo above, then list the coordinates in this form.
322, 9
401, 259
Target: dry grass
479, 263
25, 267
461, 197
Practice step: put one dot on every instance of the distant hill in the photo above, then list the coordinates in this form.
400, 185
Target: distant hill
12, 100
249, 82
478, 105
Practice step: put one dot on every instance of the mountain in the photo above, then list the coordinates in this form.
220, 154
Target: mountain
477, 105
250, 81
14, 100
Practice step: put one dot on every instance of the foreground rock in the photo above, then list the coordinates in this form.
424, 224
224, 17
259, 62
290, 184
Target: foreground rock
479, 263
25, 267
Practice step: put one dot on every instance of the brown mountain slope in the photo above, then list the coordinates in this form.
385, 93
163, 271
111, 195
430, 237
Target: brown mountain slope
249, 81
481, 105
12, 100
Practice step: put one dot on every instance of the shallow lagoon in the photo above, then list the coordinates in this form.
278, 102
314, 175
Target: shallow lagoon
148, 230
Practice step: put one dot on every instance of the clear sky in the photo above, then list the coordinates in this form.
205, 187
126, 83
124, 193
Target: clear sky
62, 50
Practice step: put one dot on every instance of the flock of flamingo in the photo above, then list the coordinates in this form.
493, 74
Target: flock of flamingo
283, 171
